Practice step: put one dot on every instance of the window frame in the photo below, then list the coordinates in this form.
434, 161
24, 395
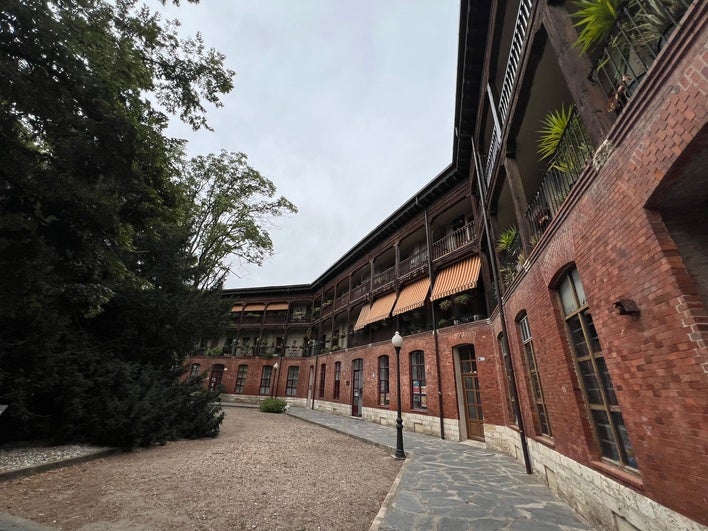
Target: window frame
291, 383
266, 377
337, 380
574, 307
384, 383
241, 377
542, 423
323, 373
419, 399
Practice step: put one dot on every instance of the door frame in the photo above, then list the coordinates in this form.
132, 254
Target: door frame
460, 387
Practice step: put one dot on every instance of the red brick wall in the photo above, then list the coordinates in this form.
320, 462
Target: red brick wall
658, 360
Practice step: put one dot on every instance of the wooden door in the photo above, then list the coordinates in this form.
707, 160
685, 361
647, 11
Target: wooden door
217, 373
472, 396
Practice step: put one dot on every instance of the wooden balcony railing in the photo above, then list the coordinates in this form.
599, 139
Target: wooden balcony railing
412, 263
384, 277
459, 238
359, 291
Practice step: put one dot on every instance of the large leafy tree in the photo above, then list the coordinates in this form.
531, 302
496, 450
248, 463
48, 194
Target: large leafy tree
229, 204
99, 298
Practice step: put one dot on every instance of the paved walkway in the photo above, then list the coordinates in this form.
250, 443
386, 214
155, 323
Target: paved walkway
448, 486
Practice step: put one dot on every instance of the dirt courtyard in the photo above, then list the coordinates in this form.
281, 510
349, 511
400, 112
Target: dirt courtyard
264, 471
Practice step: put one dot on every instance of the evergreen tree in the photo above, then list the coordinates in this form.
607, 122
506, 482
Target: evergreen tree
99, 302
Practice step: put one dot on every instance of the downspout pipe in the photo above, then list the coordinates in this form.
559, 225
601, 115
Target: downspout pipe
502, 315
435, 326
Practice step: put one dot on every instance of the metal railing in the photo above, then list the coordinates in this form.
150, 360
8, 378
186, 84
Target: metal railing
572, 154
453, 241
639, 33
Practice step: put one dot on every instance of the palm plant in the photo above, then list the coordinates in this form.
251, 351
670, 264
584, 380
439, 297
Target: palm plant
596, 18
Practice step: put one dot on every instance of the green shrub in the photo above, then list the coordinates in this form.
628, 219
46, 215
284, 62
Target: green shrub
273, 405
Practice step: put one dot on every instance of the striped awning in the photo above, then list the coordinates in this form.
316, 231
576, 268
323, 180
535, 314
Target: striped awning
361, 321
456, 278
237, 307
381, 308
254, 308
273, 306
412, 296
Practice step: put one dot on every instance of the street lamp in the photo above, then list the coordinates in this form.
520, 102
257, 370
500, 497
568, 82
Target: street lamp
274, 390
397, 341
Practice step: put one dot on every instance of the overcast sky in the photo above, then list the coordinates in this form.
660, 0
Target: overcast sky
347, 106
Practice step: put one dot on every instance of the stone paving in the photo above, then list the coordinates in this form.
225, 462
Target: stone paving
448, 485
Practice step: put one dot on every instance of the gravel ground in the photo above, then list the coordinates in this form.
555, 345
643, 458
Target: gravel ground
264, 471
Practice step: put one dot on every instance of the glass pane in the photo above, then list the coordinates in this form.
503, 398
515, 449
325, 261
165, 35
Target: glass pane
608, 445
592, 386
536, 384
627, 446
466, 367
594, 340
567, 296
578, 287
577, 337
606, 381
525, 330
528, 347
471, 411
474, 367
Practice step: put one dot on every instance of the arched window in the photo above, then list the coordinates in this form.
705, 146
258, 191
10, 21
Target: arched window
241, 378
418, 386
266, 374
194, 371
217, 373
337, 379
291, 386
323, 371
383, 381
593, 375
541, 422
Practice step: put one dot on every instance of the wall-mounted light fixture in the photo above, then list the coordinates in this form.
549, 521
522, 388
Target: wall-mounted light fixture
627, 307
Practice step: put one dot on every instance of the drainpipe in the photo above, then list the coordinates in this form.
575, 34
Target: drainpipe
435, 326
314, 380
502, 316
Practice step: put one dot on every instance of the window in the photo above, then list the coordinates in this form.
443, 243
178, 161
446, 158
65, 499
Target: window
265, 380
595, 381
194, 371
241, 378
337, 378
323, 370
217, 373
383, 381
291, 386
419, 400
510, 402
541, 422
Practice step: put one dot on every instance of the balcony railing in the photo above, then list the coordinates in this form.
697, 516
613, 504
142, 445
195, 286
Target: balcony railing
453, 241
341, 301
384, 277
523, 20
573, 152
359, 291
413, 262
641, 30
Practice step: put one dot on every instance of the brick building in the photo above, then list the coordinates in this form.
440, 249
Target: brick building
552, 304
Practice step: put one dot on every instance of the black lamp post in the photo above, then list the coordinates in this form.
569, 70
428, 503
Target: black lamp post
274, 387
397, 341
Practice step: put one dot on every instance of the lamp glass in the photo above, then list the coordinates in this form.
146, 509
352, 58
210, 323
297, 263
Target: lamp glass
397, 340
275, 366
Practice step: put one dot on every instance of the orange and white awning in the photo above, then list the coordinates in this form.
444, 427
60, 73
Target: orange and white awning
412, 296
457, 278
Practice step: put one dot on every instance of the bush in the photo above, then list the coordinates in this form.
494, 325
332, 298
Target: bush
273, 405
